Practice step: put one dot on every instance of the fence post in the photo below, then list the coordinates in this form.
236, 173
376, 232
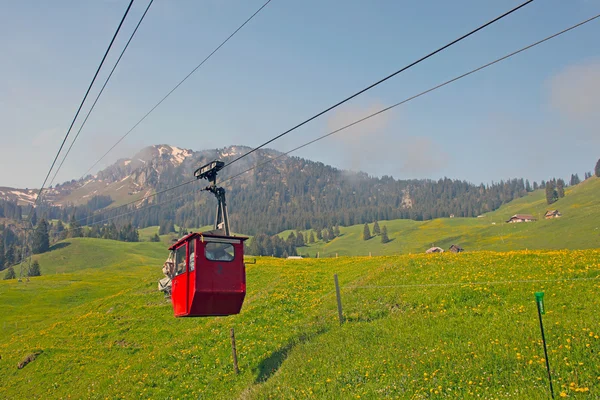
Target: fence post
339, 298
234, 352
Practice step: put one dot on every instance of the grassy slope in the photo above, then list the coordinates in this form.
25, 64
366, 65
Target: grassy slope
106, 332
579, 228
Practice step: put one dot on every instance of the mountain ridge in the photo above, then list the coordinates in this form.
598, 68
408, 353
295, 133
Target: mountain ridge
288, 193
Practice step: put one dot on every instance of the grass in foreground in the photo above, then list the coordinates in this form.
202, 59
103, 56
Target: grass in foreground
416, 327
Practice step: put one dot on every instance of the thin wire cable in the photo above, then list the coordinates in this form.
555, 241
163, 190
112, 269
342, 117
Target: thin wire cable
177, 86
39, 196
421, 285
359, 120
417, 95
101, 91
382, 80
41, 191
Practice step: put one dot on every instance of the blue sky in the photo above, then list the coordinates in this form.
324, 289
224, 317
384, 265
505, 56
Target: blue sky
533, 116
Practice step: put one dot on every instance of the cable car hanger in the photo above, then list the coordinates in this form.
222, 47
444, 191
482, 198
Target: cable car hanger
209, 172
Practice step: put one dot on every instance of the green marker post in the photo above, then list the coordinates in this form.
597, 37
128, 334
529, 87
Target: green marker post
539, 300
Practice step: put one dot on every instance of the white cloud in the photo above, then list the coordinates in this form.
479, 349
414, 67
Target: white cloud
575, 92
378, 144
420, 156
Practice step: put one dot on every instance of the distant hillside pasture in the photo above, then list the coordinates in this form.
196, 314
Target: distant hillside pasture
578, 228
416, 326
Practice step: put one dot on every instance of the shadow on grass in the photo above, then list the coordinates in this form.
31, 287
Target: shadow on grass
270, 365
59, 246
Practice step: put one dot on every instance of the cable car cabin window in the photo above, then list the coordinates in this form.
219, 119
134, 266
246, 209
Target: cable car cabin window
180, 260
219, 252
192, 245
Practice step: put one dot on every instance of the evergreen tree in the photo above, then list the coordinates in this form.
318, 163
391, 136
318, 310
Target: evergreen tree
330, 233
366, 232
75, 230
319, 234
325, 236
336, 230
61, 233
597, 169
33, 218
35, 269
587, 175
41, 240
155, 238
535, 186
527, 186
384, 235
551, 193
299, 239
2, 260
376, 230
9, 256
575, 180
560, 188
311, 237
10, 274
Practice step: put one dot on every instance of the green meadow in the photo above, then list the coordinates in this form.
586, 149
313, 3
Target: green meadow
578, 228
415, 326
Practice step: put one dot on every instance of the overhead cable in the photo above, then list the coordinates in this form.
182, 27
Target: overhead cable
381, 81
176, 87
82, 102
270, 160
101, 91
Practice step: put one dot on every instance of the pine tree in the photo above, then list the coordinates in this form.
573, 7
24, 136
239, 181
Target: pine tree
376, 230
319, 234
74, 227
33, 218
336, 230
575, 180
311, 237
560, 188
551, 193
597, 169
41, 240
155, 238
299, 239
384, 235
35, 269
325, 236
527, 186
330, 233
366, 232
2, 260
10, 274
9, 256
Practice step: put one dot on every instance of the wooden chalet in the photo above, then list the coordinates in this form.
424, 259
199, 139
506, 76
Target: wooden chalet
552, 214
456, 249
521, 218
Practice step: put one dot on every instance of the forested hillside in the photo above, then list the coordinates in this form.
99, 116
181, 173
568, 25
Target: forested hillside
286, 193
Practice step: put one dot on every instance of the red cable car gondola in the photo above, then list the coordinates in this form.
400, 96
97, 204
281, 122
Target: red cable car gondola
206, 270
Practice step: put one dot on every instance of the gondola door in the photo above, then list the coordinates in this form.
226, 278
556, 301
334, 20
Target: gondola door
180, 281
191, 273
